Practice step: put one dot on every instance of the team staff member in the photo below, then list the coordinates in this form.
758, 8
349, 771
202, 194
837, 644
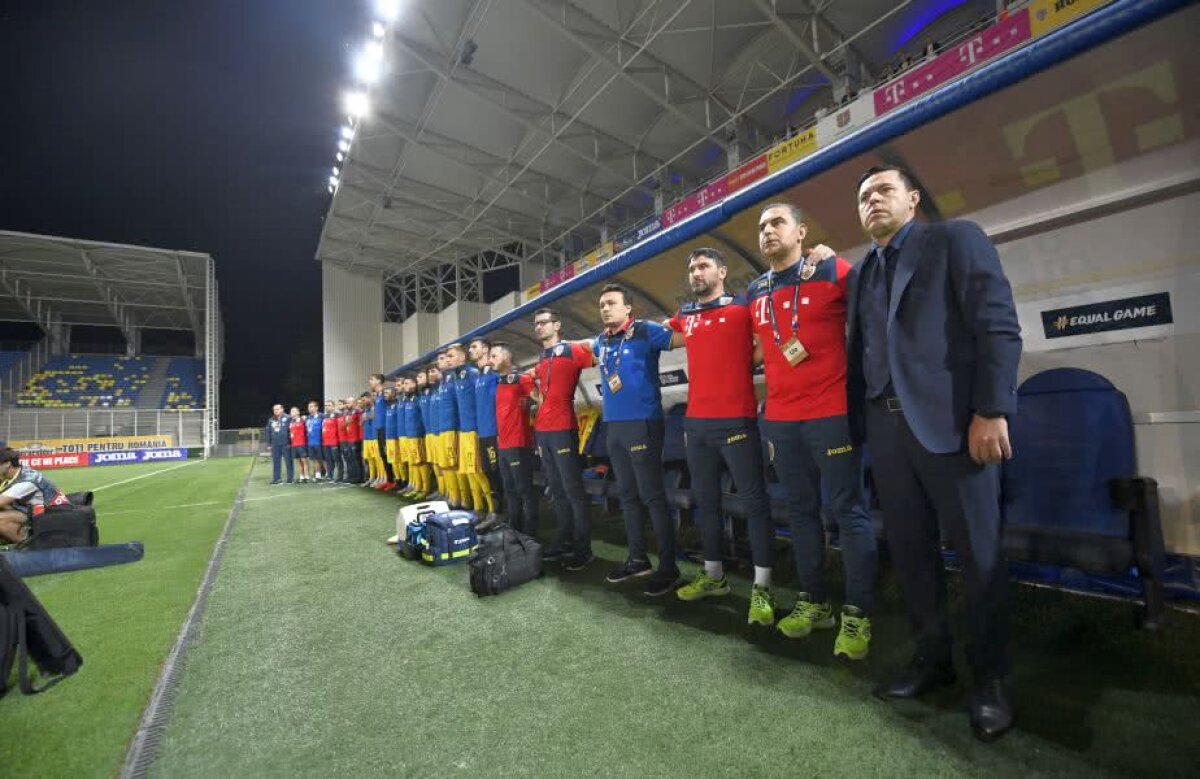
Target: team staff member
312, 438
425, 383
485, 421
627, 353
278, 438
514, 439
934, 347
472, 482
329, 443
386, 479
412, 442
556, 432
798, 308
348, 440
26, 494
721, 426
447, 412
299, 440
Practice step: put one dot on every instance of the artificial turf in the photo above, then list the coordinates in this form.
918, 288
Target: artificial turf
123, 619
324, 654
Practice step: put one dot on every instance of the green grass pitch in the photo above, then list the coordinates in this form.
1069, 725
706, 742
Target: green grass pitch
323, 654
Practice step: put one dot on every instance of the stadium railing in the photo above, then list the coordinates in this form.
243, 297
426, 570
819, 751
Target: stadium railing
186, 426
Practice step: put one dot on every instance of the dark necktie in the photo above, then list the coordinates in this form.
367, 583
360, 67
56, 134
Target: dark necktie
890, 253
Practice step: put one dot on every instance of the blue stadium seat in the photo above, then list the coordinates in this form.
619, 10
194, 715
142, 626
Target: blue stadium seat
1071, 495
184, 388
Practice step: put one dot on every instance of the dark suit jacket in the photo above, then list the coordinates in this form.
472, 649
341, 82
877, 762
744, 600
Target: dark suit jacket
953, 337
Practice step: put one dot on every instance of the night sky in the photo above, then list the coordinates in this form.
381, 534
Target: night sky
207, 126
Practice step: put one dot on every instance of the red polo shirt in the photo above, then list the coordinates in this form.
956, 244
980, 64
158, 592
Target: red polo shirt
556, 376
719, 339
512, 411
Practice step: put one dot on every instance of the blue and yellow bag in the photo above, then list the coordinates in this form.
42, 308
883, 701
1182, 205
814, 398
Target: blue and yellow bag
449, 537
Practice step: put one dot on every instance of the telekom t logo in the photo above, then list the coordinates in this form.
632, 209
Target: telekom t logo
760, 309
690, 324
969, 53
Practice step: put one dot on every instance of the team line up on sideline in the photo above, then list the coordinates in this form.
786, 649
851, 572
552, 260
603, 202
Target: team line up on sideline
914, 350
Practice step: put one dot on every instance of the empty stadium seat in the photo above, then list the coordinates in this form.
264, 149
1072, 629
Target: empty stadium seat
86, 380
1071, 494
184, 388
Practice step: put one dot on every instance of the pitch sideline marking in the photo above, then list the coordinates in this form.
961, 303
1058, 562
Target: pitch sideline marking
145, 476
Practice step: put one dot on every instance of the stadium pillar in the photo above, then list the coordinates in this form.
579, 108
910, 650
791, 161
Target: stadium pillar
133, 342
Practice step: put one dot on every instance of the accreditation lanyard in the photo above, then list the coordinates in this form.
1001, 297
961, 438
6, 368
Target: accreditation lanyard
612, 376
544, 384
771, 309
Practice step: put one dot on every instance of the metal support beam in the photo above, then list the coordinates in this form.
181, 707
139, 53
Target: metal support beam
115, 307
43, 315
193, 316
794, 38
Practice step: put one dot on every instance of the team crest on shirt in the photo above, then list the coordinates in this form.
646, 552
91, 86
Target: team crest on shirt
560, 350
725, 300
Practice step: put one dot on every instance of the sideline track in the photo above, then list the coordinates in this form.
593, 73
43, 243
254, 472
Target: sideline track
144, 747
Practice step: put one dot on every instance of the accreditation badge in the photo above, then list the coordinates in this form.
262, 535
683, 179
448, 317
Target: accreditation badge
794, 351
614, 383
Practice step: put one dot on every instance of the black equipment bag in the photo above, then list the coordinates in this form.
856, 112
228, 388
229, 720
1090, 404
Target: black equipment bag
504, 559
63, 526
80, 498
27, 632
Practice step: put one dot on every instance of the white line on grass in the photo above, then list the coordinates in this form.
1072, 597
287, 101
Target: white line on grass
144, 476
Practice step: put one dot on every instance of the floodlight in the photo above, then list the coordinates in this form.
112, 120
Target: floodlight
357, 103
368, 65
340, 156
347, 133
388, 9
333, 182
343, 145
378, 29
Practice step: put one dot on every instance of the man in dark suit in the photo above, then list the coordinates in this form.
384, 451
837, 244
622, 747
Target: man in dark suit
933, 350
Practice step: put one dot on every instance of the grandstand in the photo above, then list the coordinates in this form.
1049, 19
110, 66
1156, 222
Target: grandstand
60, 283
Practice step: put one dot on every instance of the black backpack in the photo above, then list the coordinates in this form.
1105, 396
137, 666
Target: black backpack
27, 631
504, 559
60, 527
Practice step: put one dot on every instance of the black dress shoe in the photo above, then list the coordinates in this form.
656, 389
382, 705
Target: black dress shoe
916, 680
991, 715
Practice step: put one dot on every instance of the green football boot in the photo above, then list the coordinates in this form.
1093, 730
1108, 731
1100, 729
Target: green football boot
762, 607
854, 638
703, 586
807, 617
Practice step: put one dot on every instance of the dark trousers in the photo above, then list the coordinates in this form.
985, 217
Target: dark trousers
489, 462
351, 461
381, 438
564, 476
333, 462
709, 443
635, 453
279, 454
919, 492
516, 471
810, 455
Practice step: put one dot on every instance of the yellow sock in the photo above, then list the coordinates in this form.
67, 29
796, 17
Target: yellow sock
464, 489
482, 490
452, 492
423, 473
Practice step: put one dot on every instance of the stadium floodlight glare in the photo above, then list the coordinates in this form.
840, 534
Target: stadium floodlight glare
347, 132
331, 188
340, 156
336, 171
388, 9
333, 182
368, 65
378, 29
357, 104
343, 145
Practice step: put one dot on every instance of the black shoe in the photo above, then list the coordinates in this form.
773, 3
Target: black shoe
916, 680
628, 570
276, 482
577, 563
991, 715
487, 523
662, 583
552, 554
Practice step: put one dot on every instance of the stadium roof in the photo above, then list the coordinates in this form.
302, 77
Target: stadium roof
52, 280
532, 127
